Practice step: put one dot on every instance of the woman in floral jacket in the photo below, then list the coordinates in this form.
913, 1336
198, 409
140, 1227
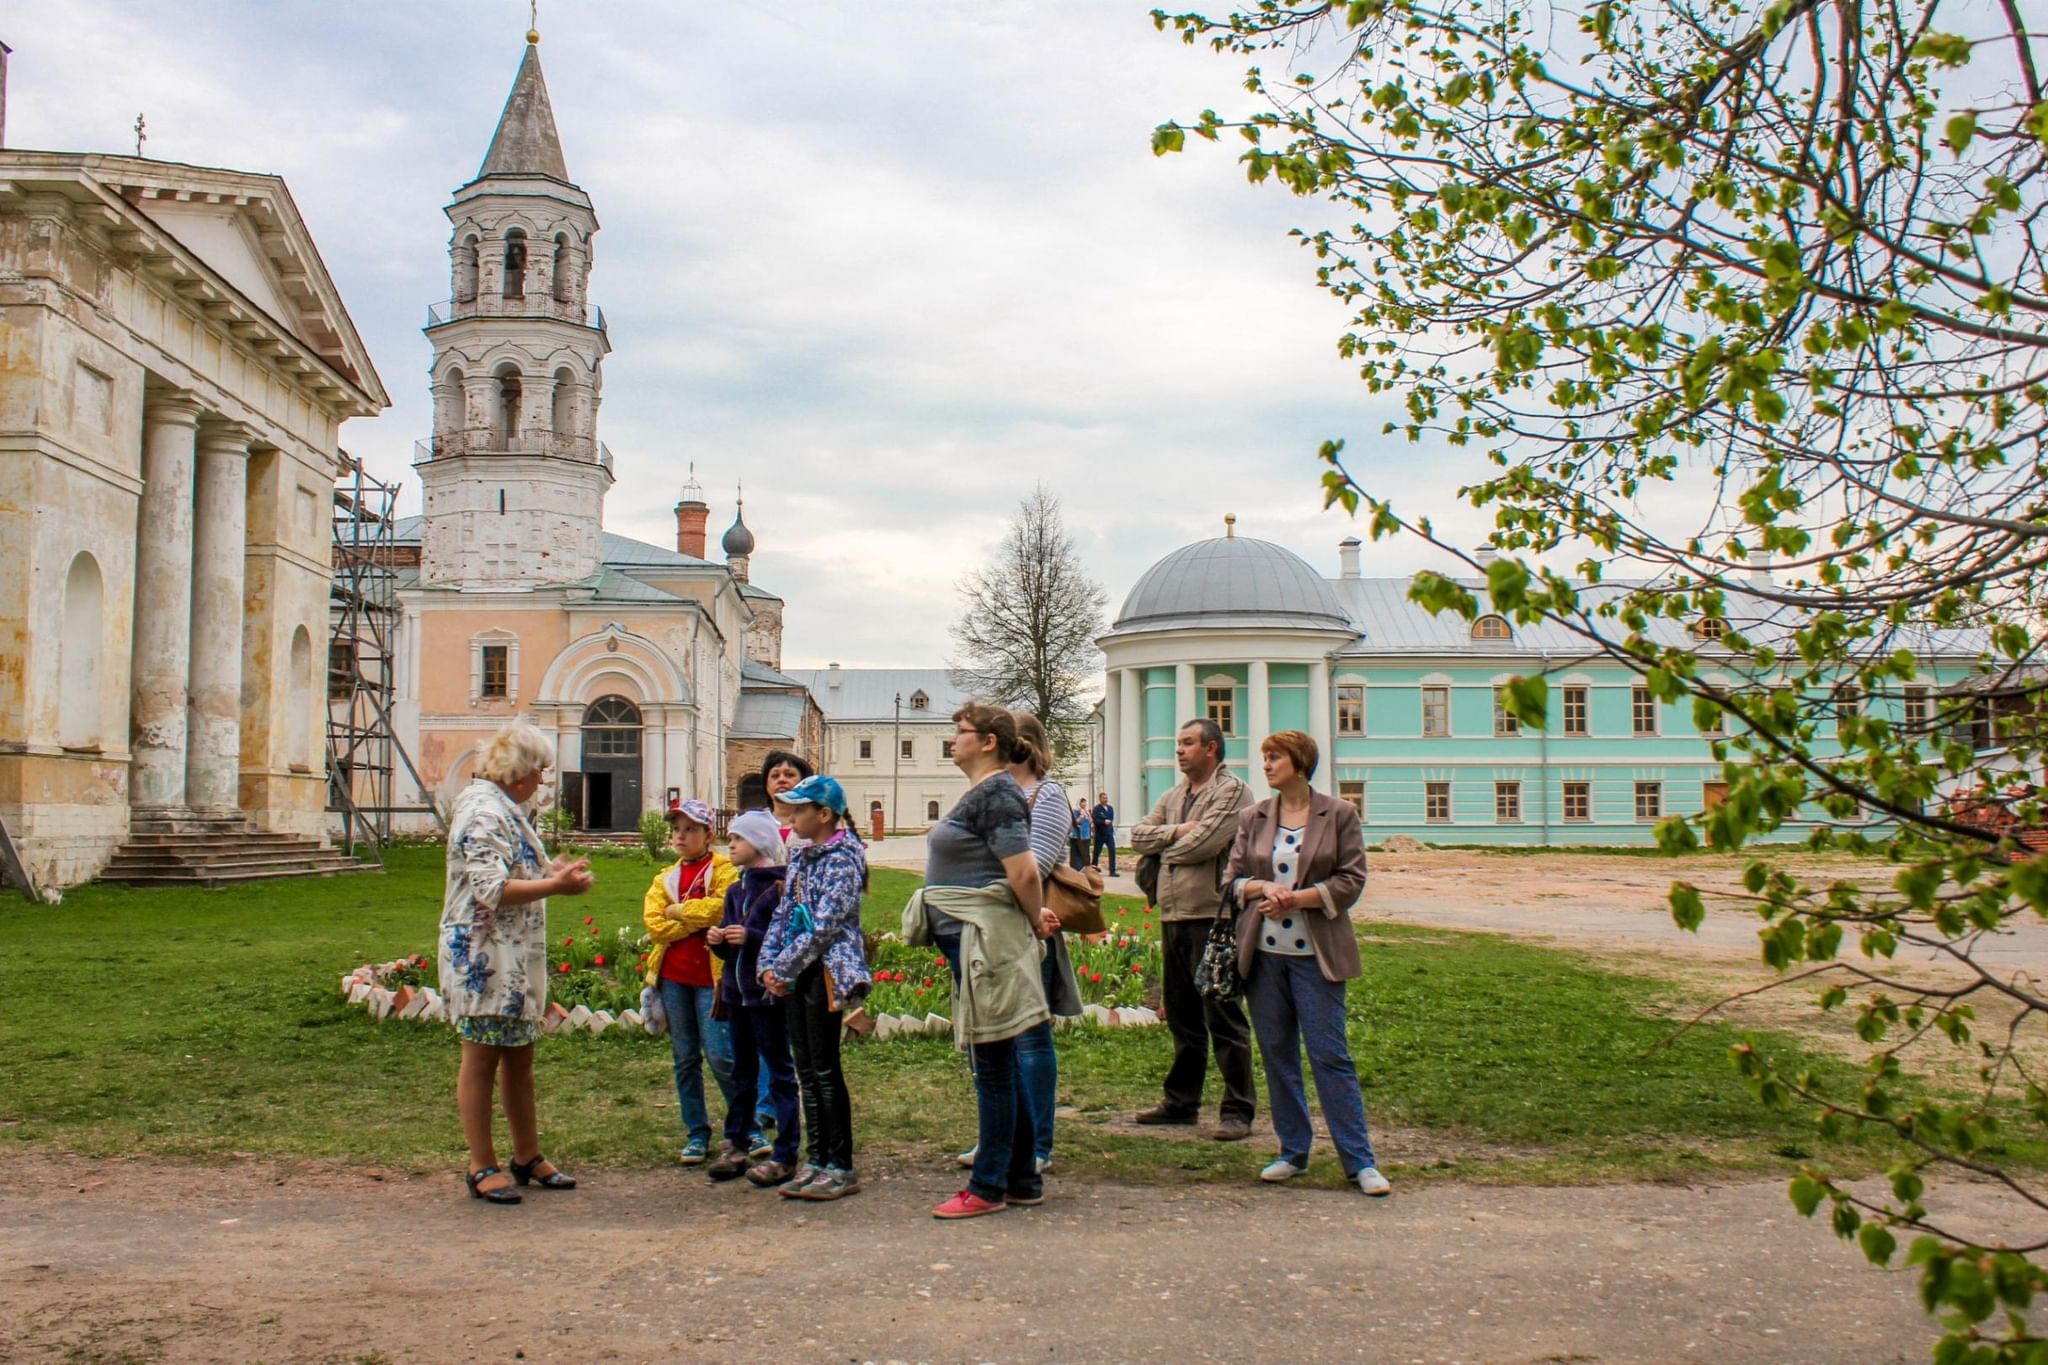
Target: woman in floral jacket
494, 957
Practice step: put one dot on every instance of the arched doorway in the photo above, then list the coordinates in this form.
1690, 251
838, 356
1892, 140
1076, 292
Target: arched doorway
611, 765
753, 793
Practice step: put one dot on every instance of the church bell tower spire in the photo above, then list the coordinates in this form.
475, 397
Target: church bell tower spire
514, 474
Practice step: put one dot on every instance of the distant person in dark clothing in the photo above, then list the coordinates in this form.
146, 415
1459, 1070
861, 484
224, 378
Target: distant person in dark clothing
1077, 839
1105, 832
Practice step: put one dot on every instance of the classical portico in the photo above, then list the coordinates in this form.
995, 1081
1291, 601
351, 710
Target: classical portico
167, 460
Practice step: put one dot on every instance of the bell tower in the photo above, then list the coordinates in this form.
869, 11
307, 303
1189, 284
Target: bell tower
514, 475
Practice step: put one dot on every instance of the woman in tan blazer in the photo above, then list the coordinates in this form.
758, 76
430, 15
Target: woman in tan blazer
1298, 866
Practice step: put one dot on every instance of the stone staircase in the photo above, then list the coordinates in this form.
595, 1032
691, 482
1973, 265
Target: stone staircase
217, 850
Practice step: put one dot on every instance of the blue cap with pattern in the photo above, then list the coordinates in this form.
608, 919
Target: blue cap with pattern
817, 791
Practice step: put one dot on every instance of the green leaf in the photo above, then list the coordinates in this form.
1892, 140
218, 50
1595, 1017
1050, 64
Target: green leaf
1168, 137
1806, 1193
1528, 701
1878, 1243
1945, 49
1688, 911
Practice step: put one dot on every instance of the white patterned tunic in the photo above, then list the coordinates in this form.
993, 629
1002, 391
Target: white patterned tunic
493, 959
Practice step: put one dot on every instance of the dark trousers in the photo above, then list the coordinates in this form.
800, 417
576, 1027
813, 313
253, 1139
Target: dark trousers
1077, 853
1196, 1024
1005, 1150
760, 1062
814, 1044
1104, 841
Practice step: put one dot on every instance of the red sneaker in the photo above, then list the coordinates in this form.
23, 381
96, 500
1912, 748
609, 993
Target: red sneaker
967, 1204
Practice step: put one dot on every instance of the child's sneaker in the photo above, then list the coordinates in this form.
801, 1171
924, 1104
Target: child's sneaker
967, 1204
833, 1184
805, 1174
769, 1173
759, 1148
728, 1166
694, 1152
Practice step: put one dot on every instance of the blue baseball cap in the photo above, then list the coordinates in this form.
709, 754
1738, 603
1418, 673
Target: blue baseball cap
817, 791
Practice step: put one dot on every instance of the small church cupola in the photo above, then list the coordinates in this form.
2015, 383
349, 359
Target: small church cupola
738, 542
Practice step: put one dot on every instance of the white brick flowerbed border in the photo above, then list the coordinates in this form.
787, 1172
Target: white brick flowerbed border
425, 1005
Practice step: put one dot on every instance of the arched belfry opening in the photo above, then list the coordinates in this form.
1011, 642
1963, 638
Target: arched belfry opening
611, 764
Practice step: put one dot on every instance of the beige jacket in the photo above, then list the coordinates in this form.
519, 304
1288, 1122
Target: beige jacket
1190, 867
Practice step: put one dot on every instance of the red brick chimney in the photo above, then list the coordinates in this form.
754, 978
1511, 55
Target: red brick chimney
691, 515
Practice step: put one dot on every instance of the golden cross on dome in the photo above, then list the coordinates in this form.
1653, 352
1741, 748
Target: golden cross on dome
532, 21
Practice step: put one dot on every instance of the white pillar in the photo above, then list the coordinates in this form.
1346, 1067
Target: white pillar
1262, 726
213, 761
1130, 790
1319, 725
1183, 696
162, 634
1112, 754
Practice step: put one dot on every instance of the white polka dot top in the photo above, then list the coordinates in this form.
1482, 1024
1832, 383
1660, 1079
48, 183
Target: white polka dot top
1289, 933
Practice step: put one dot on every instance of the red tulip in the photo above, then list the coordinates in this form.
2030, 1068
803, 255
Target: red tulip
1137, 970
927, 981
565, 969
600, 959
568, 942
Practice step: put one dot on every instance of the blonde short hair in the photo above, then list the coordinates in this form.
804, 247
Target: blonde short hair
513, 753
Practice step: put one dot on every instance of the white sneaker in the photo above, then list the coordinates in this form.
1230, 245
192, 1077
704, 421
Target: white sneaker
966, 1158
1373, 1183
1044, 1164
1281, 1171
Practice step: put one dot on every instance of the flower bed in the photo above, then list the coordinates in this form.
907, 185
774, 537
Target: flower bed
595, 976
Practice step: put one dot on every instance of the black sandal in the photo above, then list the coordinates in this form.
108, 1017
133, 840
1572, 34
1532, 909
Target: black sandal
523, 1172
504, 1194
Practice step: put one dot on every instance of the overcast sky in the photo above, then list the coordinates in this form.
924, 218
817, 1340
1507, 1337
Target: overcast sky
890, 264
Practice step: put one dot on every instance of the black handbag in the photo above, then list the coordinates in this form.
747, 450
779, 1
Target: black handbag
1147, 874
1216, 974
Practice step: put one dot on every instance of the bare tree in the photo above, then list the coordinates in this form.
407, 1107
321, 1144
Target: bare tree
1028, 621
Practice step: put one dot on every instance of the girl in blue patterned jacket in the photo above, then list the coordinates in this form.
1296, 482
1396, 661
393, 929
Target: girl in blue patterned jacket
812, 958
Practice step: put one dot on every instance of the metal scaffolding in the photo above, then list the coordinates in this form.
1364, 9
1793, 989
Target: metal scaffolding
363, 752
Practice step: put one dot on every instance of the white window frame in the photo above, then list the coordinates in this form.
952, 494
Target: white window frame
1226, 697
1350, 691
1445, 693
906, 749
1916, 707
1428, 793
1642, 706
1583, 694
476, 664
864, 749
1586, 817
1655, 792
1509, 794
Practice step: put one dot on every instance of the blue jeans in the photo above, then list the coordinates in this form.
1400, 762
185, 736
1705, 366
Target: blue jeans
694, 1038
1040, 1068
1292, 1004
1005, 1124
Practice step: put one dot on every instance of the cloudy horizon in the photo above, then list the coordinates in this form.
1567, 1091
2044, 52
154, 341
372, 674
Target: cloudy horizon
890, 270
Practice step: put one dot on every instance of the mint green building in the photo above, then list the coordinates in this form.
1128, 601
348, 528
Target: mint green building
1403, 705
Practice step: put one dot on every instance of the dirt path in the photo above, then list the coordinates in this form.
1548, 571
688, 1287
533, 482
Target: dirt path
148, 1261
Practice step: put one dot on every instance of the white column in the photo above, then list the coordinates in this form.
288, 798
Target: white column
1319, 725
162, 635
1130, 788
1262, 726
213, 761
1183, 696
1112, 726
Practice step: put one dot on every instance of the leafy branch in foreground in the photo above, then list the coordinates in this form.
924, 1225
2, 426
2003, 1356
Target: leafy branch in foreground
1747, 303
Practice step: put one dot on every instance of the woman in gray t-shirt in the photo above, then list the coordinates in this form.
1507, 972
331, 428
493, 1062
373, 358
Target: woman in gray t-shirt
984, 839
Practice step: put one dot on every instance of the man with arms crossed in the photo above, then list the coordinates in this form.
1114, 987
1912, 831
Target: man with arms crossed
1191, 830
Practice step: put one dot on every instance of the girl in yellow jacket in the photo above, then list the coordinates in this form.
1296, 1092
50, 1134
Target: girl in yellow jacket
683, 902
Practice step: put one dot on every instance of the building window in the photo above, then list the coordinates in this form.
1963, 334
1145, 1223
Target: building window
946, 749
497, 674
867, 748
903, 748
1353, 790
1577, 711
920, 702
1492, 628
341, 670
1848, 701
1504, 720
1916, 713
611, 729
1436, 802
1578, 802
931, 810
1507, 802
1222, 708
1649, 800
1350, 708
1436, 710
1643, 711
1709, 628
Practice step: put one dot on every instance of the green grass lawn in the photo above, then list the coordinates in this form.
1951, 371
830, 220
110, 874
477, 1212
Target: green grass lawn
205, 1023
